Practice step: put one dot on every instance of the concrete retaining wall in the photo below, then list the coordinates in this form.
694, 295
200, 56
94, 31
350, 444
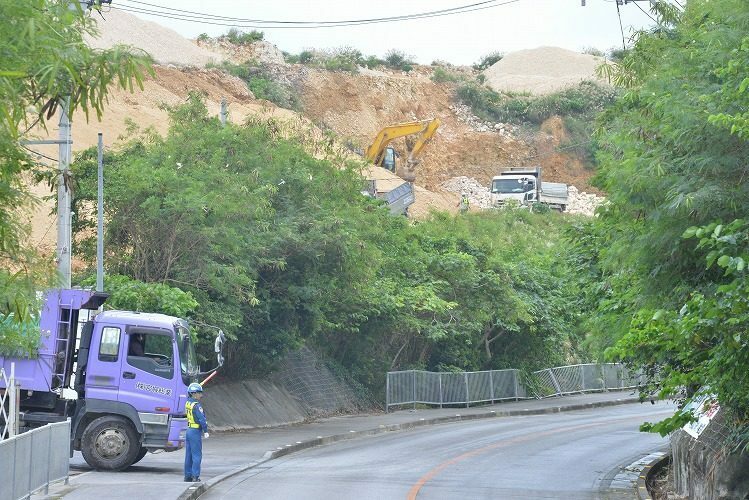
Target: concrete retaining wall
705, 468
251, 403
303, 387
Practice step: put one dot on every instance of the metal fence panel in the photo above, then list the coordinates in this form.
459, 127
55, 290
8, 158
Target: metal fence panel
7, 462
628, 378
569, 379
506, 384
593, 377
22, 463
454, 388
400, 388
479, 387
33, 459
612, 375
412, 387
40, 453
427, 387
544, 383
59, 462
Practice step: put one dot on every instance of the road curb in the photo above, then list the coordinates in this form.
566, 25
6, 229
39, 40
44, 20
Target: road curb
647, 472
195, 491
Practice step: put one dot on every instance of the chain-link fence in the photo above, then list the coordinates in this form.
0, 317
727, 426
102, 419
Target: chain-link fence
8, 404
413, 387
34, 459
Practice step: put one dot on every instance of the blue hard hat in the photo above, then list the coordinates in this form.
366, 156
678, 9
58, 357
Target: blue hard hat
194, 387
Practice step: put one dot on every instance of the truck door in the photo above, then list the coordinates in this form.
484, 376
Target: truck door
148, 371
103, 357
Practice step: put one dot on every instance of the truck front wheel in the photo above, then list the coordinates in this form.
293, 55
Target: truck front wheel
110, 443
140, 455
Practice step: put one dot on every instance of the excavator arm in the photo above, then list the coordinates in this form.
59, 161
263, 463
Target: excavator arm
423, 139
425, 129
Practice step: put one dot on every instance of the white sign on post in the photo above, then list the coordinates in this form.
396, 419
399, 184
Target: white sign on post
704, 408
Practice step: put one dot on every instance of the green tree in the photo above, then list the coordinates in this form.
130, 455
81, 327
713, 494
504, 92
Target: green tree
673, 158
281, 248
703, 346
44, 59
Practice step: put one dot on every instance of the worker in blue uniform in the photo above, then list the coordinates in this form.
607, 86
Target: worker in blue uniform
197, 429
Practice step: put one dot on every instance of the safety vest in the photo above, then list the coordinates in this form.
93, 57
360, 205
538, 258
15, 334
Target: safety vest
191, 423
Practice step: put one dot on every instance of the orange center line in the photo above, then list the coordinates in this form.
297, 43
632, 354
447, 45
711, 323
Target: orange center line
414, 491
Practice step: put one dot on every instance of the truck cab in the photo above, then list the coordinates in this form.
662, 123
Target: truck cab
122, 381
524, 186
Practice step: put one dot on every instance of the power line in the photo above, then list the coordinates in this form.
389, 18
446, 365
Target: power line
204, 15
202, 20
621, 26
645, 12
38, 153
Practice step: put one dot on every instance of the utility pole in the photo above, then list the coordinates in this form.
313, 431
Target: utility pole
64, 238
100, 220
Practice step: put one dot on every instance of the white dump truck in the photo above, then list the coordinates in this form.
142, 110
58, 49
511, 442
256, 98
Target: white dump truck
524, 185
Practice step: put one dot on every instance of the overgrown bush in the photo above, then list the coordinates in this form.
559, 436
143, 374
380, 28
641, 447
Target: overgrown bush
242, 38
587, 98
617, 55
395, 59
346, 59
441, 75
372, 62
262, 84
488, 60
592, 51
203, 37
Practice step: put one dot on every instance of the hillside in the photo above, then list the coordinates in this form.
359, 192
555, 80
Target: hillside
353, 106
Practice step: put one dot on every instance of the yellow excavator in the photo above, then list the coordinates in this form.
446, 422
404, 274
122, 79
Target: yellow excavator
384, 156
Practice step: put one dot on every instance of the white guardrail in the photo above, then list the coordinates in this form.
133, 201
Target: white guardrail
412, 387
32, 460
8, 404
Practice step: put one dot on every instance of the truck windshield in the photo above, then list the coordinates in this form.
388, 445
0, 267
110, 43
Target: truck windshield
511, 186
188, 361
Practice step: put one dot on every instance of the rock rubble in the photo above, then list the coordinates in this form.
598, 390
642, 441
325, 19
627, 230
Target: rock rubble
465, 115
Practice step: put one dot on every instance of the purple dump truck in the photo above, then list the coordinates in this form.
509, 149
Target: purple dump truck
122, 381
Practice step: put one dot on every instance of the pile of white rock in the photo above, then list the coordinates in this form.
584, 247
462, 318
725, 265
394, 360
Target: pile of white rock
582, 202
579, 202
465, 115
477, 193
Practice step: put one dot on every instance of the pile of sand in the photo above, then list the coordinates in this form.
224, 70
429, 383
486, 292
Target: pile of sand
165, 46
542, 70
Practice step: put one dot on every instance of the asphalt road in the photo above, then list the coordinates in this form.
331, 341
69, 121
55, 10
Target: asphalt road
160, 475
573, 455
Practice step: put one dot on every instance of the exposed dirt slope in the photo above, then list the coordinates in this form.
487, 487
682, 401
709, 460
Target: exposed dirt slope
355, 107
358, 106
143, 108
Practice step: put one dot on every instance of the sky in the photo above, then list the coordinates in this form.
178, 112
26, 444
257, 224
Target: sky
457, 39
